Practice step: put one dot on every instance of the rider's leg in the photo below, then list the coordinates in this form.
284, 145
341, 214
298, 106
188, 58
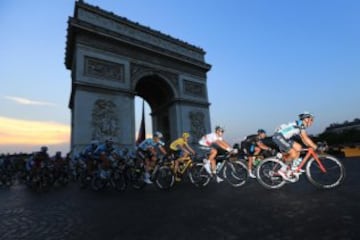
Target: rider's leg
147, 165
212, 160
176, 166
294, 152
250, 163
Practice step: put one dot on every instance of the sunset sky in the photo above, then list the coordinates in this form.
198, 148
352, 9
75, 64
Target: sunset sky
270, 61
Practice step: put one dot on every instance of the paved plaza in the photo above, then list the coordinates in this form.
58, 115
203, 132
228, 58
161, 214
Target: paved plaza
297, 211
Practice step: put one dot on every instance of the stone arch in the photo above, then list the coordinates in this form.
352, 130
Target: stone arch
171, 81
160, 96
113, 60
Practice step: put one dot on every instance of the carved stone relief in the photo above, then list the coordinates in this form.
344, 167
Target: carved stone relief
105, 122
194, 89
145, 36
197, 125
99, 68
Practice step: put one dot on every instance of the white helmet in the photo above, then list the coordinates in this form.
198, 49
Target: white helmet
158, 134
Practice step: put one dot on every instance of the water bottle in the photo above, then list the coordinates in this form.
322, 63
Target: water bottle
256, 162
296, 163
181, 167
218, 166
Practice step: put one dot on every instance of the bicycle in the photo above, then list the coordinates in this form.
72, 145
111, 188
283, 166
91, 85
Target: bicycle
230, 168
191, 167
161, 173
322, 170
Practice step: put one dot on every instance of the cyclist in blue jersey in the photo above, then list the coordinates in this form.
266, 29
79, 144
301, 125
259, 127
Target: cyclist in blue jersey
283, 138
147, 151
103, 154
87, 156
90, 149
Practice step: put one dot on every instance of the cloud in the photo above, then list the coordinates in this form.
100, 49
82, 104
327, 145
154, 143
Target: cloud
32, 133
28, 101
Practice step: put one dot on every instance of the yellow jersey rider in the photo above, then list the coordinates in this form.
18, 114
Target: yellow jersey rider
181, 149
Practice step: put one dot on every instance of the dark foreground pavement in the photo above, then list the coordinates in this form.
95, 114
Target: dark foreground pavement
297, 211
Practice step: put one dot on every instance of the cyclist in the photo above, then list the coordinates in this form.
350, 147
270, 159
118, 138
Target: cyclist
41, 158
180, 149
59, 165
218, 146
253, 145
90, 149
283, 138
37, 161
147, 150
103, 154
88, 155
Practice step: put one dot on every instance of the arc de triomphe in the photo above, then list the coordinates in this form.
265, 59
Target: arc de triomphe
112, 60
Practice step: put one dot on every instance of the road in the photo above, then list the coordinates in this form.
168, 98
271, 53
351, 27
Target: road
296, 211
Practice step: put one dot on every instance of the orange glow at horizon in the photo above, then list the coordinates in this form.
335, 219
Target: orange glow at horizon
26, 132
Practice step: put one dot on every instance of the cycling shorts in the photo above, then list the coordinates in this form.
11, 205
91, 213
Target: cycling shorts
220, 150
285, 145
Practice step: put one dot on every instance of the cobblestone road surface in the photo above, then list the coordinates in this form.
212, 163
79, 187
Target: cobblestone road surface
297, 211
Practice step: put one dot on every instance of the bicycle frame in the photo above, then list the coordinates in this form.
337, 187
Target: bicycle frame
310, 153
187, 162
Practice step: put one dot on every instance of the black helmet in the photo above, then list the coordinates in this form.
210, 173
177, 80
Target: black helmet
261, 131
219, 128
304, 115
44, 148
109, 141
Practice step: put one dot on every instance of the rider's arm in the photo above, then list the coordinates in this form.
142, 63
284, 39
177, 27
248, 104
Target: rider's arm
162, 150
262, 146
307, 140
224, 145
189, 149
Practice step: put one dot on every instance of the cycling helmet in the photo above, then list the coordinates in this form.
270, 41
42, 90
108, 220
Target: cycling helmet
44, 148
186, 135
158, 134
109, 141
94, 142
261, 131
305, 115
219, 128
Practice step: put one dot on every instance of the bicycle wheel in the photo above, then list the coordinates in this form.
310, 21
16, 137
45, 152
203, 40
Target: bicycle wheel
266, 173
198, 175
135, 177
164, 178
332, 177
118, 181
97, 183
235, 173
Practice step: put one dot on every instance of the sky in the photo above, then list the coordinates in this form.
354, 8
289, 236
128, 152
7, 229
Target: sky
271, 60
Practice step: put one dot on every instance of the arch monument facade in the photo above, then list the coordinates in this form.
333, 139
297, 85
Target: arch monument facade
112, 60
